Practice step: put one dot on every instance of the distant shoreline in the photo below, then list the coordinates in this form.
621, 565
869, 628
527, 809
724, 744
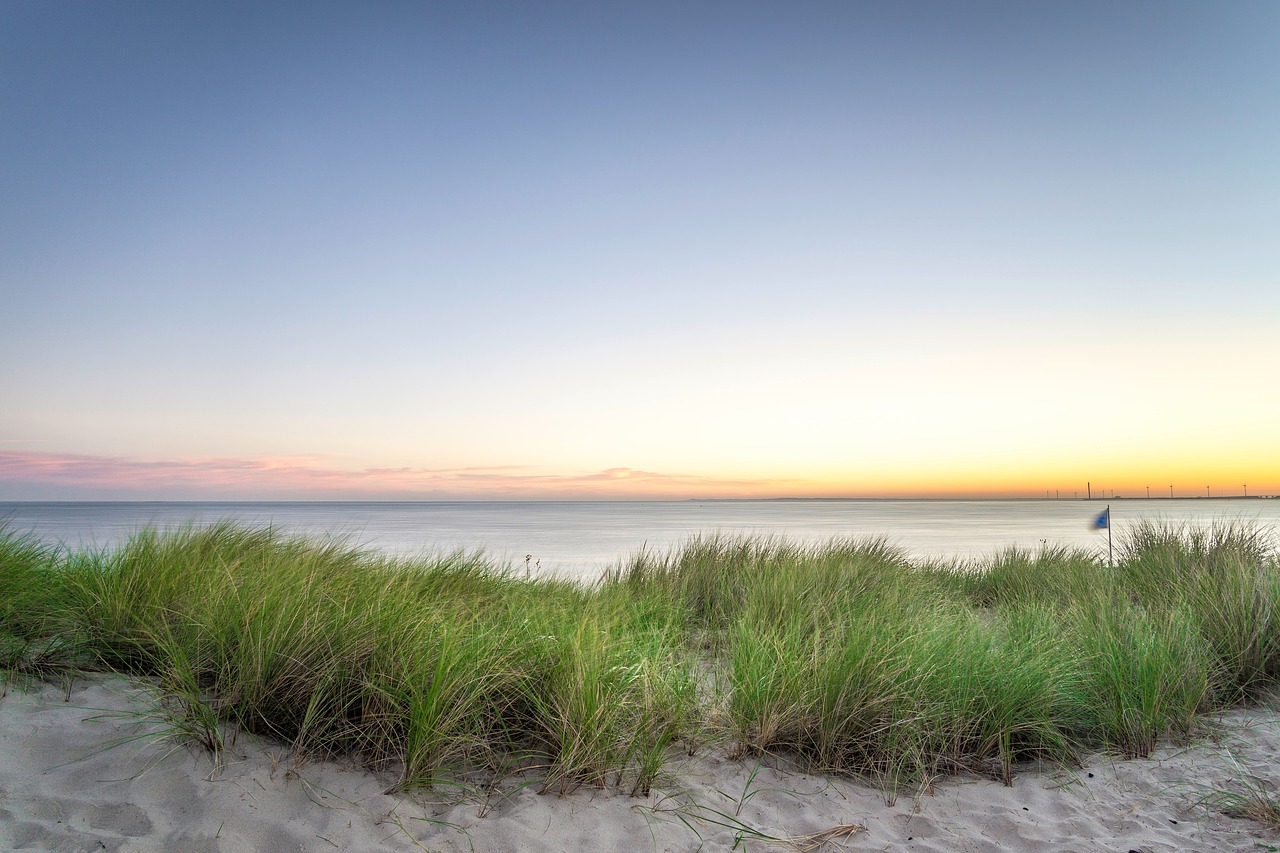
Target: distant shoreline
781, 499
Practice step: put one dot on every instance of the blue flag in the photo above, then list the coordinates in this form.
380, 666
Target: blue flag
1103, 521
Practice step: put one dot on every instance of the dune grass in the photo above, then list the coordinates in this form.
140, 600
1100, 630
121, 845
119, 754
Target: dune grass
1226, 577
845, 655
25, 566
34, 639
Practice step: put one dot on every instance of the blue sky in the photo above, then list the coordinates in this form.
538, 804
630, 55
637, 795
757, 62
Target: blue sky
589, 250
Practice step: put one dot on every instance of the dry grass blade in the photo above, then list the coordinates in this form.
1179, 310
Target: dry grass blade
816, 840
1250, 798
1265, 811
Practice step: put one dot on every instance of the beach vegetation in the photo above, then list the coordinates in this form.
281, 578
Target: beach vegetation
34, 640
1245, 796
846, 656
1225, 575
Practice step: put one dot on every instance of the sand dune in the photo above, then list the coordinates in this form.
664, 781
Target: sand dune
87, 770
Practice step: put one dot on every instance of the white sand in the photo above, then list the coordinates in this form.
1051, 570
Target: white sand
64, 786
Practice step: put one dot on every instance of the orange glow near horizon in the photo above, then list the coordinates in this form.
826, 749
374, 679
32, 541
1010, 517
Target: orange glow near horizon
1129, 481
66, 476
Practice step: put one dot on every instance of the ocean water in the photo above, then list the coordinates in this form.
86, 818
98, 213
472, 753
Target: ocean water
581, 538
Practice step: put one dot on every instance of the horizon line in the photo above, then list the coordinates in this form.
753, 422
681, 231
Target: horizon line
774, 499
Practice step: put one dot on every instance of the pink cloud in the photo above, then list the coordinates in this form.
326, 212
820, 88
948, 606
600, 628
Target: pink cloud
27, 473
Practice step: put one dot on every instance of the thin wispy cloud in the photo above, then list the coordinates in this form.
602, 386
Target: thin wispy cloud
81, 475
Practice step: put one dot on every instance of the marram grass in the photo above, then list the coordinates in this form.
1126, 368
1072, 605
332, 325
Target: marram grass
846, 655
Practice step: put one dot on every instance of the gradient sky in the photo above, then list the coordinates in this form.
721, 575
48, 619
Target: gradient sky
541, 250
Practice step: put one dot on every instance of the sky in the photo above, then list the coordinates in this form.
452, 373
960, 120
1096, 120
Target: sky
546, 250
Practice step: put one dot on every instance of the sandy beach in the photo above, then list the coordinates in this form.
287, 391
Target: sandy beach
87, 769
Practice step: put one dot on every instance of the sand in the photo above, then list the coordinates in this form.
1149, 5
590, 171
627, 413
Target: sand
85, 769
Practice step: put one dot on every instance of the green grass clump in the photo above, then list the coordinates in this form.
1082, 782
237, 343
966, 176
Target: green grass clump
1150, 673
715, 578
895, 681
33, 638
845, 654
1226, 575
26, 574
606, 698
1050, 575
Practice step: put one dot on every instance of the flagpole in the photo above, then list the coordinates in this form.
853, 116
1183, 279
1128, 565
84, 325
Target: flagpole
1110, 560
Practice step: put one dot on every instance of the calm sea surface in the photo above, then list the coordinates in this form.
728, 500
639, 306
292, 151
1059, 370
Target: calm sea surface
581, 538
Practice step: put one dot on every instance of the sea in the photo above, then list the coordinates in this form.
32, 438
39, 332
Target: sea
581, 539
